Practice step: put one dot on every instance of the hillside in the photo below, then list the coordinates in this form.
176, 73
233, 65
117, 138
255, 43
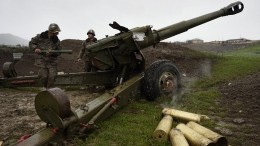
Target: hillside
218, 47
10, 39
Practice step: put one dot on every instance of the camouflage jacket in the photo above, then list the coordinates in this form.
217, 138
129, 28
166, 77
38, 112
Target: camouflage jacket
43, 42
83, 52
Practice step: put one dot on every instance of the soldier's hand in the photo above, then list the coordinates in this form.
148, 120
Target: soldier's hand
37, 50
79, 60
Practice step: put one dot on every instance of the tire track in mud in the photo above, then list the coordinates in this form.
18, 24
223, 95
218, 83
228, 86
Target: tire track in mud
240, 98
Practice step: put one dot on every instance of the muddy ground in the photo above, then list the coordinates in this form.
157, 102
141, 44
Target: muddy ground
241, 101
18, 116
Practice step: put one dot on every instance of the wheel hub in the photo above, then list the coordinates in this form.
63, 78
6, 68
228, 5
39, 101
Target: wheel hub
167, 83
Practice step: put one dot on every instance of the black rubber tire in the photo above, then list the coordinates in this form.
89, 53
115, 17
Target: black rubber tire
150, 86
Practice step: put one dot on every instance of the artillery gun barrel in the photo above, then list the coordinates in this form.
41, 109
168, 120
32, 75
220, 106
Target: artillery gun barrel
183, 26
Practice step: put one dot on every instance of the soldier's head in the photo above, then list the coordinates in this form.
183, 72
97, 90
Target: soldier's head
91, 33
53, 29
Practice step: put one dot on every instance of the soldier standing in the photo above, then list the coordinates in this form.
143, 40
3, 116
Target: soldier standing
41, 44
84, 53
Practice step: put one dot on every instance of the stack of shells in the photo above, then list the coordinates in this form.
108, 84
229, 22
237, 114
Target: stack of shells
187, 134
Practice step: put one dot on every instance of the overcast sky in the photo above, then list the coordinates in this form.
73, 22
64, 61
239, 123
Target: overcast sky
26, 18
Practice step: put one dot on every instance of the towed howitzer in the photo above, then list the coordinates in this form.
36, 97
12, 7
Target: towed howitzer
119, 57
114, 56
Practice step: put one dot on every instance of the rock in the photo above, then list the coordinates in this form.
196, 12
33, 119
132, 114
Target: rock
238, 120
224, 131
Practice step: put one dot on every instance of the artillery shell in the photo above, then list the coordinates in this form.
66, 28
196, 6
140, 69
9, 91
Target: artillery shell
177, 138
193, 137
215, 137
163, 128
181, 115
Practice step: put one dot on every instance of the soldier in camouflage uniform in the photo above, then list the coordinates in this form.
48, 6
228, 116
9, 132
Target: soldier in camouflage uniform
47, 62
84, 53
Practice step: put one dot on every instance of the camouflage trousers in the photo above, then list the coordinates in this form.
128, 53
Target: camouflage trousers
47, 71
89, 67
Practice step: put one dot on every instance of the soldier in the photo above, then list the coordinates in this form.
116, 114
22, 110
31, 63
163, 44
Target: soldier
46, 41
84, 53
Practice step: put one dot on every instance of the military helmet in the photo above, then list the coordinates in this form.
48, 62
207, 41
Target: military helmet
91, 31
54, 28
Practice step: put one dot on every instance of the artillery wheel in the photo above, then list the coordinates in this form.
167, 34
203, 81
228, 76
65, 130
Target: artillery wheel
162, 78
53, 99
8, 70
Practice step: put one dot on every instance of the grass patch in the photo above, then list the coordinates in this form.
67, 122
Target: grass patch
233, 65
203, 102
133, 125
200, 55
250, 51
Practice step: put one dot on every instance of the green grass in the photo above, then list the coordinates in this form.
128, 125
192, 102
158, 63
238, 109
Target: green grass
250, 51
135, 124
233, 65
